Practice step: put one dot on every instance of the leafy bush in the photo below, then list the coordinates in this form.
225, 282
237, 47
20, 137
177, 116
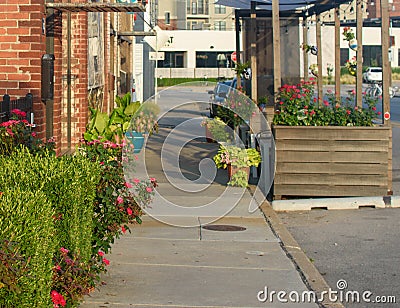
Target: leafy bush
26, 219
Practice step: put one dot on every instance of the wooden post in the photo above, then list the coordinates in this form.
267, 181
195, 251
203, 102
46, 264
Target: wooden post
385, 57
305, 54
337, 54
238, 60
320, 80
276, 33
386, 72
253, 51
359, 13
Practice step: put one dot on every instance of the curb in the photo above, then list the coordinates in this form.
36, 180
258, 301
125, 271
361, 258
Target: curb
351, 203
308, 272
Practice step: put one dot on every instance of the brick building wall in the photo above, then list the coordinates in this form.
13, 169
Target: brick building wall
22, 44
375, 9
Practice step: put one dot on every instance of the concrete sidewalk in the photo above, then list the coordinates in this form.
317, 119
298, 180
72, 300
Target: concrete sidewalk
174, 261
159, 265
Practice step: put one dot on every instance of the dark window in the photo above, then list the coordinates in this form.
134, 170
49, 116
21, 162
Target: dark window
210, 59
372, 55
344, 56
167, 18
220, 25
172, 59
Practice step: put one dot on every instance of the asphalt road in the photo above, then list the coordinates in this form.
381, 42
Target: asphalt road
361, 246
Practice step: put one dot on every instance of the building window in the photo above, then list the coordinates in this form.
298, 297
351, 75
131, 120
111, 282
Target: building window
220, 25
344, 56
372, 55
398, 57
209, 59
172, 59
195, 7
220, 9
167, 18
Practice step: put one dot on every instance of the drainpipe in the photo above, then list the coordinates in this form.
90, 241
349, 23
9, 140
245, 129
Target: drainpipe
69, 94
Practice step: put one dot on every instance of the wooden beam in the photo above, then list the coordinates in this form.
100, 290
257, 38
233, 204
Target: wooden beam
237, 48
359, 13
305, 54
337, 53
253, 51
385, 57
320, 80
276, 33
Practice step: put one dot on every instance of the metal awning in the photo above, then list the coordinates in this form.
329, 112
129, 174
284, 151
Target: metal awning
97, 7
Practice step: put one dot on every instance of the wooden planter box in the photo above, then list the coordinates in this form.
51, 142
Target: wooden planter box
332, 161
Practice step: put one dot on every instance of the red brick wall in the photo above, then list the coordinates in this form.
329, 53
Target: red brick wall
22, 45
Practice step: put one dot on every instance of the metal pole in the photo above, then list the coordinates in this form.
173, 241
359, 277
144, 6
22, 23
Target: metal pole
50, 50
359, 12
238, 60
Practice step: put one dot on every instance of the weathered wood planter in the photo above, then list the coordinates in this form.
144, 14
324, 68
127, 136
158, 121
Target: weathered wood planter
331, 161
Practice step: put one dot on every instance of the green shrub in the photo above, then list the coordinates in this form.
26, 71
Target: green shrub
26, 219
169, 82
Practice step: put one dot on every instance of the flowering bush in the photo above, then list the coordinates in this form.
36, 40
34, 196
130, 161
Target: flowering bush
348, 34
18, 132
73, 278
298, 106
118, 202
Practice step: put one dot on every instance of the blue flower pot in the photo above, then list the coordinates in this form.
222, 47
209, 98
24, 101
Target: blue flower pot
137, 139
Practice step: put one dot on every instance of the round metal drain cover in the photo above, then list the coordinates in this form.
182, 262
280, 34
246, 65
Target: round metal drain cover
224, 228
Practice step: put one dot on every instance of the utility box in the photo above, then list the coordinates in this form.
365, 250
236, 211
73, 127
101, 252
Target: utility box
47, 77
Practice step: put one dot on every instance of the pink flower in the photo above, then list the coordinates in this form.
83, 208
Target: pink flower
57, 267
149, 189
379, 113
373, 108
312, 112
100, 253
102, 163
152, 180
348, 111
120, 200
128, 185
326, 103
57, 299
129, 211
63, 250
33, 134
106, 262
280, 103
123, 229
136, 181
136, 157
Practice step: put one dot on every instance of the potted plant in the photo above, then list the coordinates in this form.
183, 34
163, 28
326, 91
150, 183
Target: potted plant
238, 162
328, 148
216, 130
350, 37
351, 65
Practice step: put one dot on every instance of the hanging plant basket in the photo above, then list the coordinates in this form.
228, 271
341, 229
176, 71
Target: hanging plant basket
353, 44
353, 70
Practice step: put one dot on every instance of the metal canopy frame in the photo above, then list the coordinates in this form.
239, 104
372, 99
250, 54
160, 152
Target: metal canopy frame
97, 7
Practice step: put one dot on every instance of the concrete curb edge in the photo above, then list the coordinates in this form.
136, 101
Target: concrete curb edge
308, 272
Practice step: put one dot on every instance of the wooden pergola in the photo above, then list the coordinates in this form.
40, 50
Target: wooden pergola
303, 9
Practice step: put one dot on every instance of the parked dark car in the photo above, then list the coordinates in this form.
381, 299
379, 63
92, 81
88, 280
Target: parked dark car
219, 94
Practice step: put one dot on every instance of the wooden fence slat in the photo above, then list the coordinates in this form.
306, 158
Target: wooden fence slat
337, 168
331, 179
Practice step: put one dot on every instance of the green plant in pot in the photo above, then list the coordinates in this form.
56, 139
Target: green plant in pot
112, 127
217, 130
238, 161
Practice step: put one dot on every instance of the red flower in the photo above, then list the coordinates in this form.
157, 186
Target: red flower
128, 185
379, 113
123, 229
129, 211
100, 253
348, 111
63, 250
57, 299
106, 262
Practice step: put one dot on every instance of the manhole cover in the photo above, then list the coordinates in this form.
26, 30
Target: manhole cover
224, 228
